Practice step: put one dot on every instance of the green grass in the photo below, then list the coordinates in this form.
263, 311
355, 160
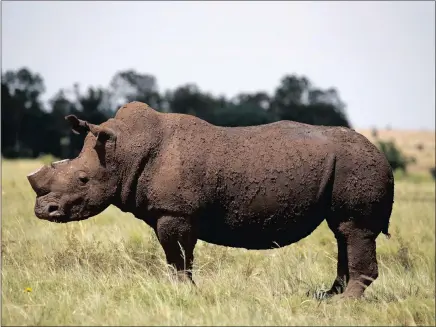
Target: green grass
110, 270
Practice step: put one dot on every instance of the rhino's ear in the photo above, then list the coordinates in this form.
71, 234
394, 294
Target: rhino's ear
83, 127
78, 126
102, 134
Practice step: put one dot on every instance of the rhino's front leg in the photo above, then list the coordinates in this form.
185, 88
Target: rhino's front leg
178, 239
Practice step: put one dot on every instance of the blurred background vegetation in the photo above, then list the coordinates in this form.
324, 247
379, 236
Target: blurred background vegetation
32, 129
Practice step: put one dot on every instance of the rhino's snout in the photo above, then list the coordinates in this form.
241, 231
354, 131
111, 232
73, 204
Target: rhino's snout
48, 211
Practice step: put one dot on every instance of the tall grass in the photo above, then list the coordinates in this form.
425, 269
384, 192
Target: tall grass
110, 270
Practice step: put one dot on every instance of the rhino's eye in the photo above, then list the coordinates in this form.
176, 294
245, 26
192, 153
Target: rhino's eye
83, 178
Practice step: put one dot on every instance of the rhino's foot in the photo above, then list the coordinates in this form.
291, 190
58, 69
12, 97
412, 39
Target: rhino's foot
356, 288
323, 295
344, 296
185, 277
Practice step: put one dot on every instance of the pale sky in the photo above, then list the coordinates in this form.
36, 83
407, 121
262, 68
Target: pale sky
379, 55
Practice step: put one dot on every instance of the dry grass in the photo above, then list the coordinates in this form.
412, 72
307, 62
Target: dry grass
110, 270
418, 144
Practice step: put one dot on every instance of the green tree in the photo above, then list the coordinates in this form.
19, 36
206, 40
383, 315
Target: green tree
189, 99
247, 114
129, 85
296, 99
9, 124
29, 130
258, 99
61, 106
22, 113
92, 105
395, 157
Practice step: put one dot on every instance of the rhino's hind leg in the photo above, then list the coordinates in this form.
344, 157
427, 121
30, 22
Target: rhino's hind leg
362, 260
357, 263
177, 237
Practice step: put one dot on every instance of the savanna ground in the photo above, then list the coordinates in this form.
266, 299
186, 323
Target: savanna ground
110, 270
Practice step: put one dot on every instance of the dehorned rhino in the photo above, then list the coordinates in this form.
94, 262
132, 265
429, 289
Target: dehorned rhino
255, 187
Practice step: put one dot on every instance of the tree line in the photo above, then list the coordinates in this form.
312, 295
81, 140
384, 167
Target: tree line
31, 128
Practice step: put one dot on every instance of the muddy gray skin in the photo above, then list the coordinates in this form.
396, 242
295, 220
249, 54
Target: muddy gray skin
257, 187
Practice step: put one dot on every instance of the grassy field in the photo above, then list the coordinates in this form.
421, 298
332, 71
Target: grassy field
110, 270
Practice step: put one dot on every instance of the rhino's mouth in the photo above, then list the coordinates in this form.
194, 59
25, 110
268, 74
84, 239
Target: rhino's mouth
50, 211
56, 215
60, 221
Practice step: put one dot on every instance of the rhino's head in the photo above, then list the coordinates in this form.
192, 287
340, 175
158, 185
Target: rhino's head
76, 189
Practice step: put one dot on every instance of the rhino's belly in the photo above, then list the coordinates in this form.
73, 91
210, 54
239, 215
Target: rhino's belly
258, 232
266, 215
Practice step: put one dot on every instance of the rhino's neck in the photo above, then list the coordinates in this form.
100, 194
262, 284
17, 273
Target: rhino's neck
129, 190
137, 155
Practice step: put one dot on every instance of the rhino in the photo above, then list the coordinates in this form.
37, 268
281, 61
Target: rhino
257, 187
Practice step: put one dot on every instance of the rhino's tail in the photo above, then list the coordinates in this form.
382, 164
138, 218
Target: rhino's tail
388, 235
388, 204
385, 230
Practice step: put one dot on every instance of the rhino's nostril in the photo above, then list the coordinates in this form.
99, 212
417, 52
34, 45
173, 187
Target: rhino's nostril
52, 208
